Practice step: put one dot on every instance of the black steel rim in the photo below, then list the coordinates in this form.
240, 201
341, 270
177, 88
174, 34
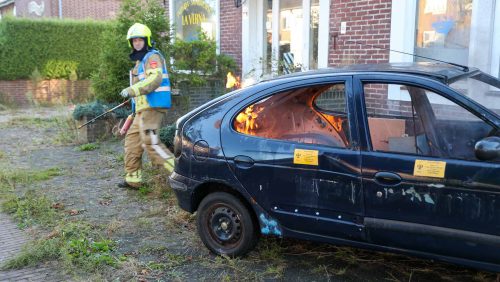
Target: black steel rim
225, 225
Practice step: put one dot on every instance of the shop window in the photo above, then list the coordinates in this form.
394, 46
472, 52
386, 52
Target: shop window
427, 125
291, 40
312, 115
194, 16
443, 29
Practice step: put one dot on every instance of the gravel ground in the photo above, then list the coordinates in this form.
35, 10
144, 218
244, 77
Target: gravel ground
159, 241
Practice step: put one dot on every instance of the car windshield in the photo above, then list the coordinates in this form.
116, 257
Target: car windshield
481, 88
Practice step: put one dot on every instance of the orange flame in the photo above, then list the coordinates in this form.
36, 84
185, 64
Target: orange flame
335, 121
232, 81
246, 121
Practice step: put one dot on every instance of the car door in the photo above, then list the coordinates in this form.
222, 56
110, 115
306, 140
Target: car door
294, 149
423, 187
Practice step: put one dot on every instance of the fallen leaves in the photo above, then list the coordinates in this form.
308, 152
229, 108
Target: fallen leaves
105, 202
74, 212
58, 206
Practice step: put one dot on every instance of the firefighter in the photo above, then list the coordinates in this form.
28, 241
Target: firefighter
150, 93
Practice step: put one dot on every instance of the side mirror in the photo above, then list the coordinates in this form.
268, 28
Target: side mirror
488, 148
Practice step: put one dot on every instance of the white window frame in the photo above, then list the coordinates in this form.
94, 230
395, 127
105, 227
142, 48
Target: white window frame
217, 27
253, 46
403, 26
495, 62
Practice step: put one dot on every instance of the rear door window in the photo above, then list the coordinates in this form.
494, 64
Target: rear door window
311, 115
423, 123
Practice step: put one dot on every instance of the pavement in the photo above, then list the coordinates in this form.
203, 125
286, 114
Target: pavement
12, 240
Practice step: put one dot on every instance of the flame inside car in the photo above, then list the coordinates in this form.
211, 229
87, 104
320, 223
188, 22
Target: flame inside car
246, 121
294, 116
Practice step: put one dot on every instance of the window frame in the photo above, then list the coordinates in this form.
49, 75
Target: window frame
278, 89
253, 66
427, 84
404, 23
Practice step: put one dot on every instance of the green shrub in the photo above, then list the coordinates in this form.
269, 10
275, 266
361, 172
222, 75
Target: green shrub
199, 58
167, 135
59, 48
196, 55
59, 69
87, 147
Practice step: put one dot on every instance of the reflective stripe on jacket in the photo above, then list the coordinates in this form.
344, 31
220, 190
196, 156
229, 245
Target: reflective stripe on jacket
157, 98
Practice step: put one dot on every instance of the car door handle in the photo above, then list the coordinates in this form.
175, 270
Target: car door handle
243, 161
387, 178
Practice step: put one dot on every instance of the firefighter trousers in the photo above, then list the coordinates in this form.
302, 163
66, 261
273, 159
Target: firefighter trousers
143, 135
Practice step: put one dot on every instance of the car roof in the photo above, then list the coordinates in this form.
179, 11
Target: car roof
445, 73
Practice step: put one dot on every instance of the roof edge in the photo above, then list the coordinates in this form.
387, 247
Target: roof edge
8, 2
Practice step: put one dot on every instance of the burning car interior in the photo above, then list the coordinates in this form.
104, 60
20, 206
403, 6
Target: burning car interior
299, 115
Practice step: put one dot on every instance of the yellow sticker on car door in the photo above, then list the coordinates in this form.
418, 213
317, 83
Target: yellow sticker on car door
429, 168
305, 157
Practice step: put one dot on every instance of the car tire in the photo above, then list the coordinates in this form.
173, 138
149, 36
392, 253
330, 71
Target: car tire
225, 225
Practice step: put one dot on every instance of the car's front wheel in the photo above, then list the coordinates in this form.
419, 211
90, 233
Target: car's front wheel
225, 225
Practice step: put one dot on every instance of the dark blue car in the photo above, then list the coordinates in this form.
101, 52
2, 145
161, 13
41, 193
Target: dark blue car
395, 157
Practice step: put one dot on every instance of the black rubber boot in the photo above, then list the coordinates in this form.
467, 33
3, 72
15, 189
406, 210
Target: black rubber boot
124, 184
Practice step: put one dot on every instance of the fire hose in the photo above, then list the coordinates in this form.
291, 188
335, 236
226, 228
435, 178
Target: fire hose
126, 125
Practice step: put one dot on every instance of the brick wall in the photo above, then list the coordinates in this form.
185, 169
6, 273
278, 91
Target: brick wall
14, 92
192, 97
95, 9
72, 9
230, 30
23, 92
368, 22
47, 8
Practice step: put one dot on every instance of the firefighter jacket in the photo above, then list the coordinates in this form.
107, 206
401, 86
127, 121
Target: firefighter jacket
149, 82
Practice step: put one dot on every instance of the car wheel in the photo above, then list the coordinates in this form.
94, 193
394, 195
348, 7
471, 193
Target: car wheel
225, 225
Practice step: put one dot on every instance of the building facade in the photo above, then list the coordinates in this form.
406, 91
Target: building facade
269, 37
71, 9
6, 8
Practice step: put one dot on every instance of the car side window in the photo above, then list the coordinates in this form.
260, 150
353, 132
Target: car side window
312, 115
421, 122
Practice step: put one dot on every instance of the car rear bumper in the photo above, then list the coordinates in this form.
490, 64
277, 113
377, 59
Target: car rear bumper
183, 188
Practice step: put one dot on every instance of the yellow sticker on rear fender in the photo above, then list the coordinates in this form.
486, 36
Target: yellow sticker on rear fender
305, 157
429, 168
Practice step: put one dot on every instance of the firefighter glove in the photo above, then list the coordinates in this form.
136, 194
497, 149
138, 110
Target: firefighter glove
124, 93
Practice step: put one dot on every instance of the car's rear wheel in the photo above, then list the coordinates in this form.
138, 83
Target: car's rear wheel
225, 225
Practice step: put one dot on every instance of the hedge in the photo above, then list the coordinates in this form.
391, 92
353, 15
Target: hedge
56, 48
